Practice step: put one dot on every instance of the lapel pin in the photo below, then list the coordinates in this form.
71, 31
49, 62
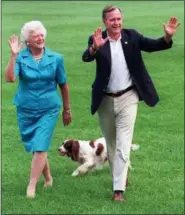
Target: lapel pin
126, 42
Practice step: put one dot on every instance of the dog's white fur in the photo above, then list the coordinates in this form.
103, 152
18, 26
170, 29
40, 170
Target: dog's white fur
87, 154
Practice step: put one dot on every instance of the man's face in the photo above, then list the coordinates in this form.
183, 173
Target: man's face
113, 21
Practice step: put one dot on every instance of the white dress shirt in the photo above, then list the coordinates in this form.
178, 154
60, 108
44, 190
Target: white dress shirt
120, 78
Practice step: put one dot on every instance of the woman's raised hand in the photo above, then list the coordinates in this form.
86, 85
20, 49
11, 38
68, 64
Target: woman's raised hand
14, 44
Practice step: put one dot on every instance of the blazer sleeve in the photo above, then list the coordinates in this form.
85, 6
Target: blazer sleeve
151, 45
86, 57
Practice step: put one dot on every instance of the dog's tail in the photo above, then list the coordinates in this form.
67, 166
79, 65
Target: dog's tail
135, 147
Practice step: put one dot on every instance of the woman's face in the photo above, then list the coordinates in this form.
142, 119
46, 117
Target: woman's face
36, 40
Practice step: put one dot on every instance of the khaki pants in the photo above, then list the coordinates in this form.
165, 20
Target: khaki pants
117, 117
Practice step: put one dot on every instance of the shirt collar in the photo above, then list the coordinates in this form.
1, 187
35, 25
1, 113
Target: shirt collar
47, 51
111, 40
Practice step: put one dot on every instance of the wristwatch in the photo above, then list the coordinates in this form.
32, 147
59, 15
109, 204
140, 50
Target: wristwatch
93, 48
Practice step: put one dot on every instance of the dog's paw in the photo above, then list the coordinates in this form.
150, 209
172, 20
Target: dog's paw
99, 167
135, 147
131, 168
75, 173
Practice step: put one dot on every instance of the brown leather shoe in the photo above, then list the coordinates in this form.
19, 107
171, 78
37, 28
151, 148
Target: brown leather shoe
118, 196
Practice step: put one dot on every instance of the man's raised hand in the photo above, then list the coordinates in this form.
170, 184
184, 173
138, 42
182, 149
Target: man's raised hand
98, 41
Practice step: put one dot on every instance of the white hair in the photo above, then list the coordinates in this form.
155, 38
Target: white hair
30, 27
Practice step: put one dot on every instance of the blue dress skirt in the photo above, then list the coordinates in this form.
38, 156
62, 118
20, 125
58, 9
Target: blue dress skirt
36, 127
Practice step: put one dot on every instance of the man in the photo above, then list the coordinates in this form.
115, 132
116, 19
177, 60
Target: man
121, 81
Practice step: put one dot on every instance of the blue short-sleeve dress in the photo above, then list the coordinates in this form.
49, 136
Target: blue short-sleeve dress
37, 100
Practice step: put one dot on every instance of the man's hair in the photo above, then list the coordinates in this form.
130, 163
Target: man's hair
107, 9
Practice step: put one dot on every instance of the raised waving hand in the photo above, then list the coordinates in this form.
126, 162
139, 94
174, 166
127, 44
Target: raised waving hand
171, 27
14, 45
98, 41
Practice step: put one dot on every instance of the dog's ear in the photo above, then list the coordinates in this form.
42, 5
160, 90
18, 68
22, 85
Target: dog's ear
75, 150
99, 149
68, 145
91, 143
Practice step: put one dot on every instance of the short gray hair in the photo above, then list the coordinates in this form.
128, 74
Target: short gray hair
107, 9
30, 27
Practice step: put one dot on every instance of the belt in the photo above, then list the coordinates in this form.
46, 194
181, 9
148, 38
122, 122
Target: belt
119, 93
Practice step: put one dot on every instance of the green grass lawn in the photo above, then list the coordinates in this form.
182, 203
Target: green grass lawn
157, 182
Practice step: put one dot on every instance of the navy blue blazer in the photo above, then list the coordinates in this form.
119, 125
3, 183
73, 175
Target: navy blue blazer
133, 43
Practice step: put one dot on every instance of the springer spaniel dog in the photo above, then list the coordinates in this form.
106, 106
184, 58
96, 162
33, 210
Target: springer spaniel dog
89, 154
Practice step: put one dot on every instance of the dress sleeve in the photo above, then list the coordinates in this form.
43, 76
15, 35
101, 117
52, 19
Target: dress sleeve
61, 73
17, 68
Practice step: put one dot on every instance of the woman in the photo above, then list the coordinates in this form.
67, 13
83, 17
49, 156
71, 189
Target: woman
40, 70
